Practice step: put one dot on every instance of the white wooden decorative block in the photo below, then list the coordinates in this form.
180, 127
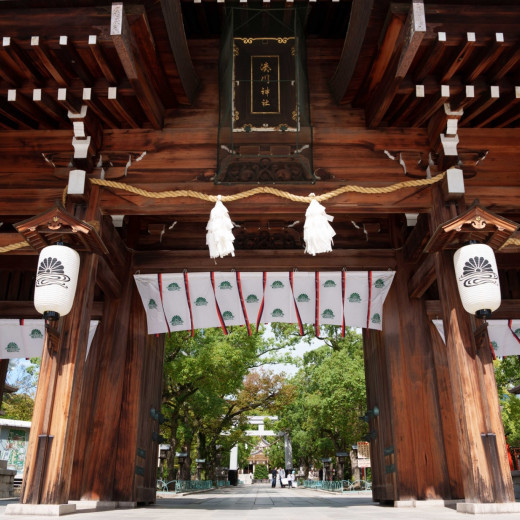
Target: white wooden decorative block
76, 184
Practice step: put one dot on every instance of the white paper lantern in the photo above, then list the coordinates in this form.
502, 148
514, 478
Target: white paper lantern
477, 279
56, 280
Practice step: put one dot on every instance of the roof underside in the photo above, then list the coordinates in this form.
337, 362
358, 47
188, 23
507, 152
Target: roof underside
378, 81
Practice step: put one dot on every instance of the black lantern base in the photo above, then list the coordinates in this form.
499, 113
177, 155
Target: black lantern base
483, 314
51, 316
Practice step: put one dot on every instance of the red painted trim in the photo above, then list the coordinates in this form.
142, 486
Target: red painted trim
219, 314
300, 324
261, 310
159, 280
187, 289
243, 303
317, 314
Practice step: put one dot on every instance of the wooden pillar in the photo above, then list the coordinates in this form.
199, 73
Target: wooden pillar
55, 419
137, 450
470, 401
480, 435
101, 402
401, 381
4, 365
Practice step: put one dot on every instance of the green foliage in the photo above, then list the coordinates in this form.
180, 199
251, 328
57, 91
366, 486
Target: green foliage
261, 472
329, 397
507, 374
211, 383
18, 406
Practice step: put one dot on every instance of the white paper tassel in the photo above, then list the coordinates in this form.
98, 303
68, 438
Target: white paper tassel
317, 232
219, 237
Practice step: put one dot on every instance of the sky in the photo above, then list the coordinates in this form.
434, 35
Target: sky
300, 349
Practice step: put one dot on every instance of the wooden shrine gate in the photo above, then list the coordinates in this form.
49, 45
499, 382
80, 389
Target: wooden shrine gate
112, 109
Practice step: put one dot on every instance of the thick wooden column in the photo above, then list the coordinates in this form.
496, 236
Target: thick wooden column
401, 381
480, 435
137, 450
102, 401
56, 413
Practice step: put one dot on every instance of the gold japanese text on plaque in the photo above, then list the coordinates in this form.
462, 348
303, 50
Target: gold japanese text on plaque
265, 84
264, 91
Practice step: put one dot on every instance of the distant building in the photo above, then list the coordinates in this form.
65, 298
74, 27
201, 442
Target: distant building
14, 438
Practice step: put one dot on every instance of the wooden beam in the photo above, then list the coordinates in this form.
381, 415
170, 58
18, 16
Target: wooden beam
20, 60
114, 103
490, 58
11, 113
143, 34
177, 261
25, 309
418, 238
49, 62
435, 56
423, 278
493, 97
409, 41
99, 109
508, 310
48, 105
464, 54
508, 102
134, 67
30, 109
70, 102
358, 23
434, 105
172, 14
505, 64
99, 56
68, 54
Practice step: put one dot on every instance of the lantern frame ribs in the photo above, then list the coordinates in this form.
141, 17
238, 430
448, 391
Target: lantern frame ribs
476, 224
57, 225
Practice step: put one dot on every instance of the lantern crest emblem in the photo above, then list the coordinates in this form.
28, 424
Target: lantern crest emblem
225, 285
277, 313
329, 283
303, 298
478, 270
51, 272
252, 298
174, 287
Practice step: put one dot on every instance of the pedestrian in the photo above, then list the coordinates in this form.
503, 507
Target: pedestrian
281, 472
290, 478
273, 481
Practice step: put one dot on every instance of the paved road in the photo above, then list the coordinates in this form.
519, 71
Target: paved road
261, 502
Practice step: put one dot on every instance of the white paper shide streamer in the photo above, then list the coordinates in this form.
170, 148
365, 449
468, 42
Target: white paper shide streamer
317, 232
219, 237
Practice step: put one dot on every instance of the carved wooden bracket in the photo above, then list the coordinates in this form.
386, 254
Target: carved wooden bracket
57, 225
475, 224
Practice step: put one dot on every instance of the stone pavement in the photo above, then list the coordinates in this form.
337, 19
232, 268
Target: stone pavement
261, 502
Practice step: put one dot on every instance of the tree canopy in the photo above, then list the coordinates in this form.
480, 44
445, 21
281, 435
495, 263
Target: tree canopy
329, 397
